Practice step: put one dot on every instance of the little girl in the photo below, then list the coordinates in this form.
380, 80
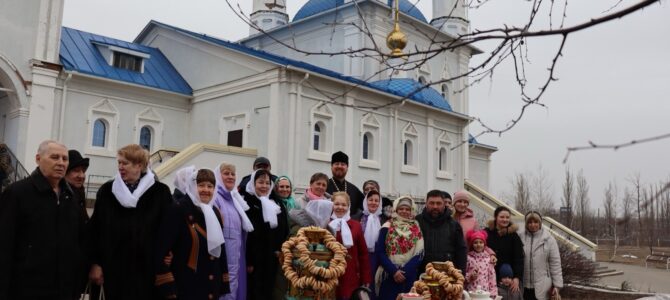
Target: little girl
480, 272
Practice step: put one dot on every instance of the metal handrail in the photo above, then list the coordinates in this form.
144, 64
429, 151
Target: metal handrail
12, 169
158, 155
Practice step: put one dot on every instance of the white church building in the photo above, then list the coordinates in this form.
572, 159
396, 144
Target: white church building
171, 88
191, 98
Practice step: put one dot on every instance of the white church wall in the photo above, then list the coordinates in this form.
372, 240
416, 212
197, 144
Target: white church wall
314, 109
312, 38
19, 22
124, 109
203, 64
480, 163
252, 107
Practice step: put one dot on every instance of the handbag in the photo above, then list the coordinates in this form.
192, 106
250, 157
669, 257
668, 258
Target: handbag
86, 295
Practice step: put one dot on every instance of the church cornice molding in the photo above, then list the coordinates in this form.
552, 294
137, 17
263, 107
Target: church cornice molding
108, 96
237, 86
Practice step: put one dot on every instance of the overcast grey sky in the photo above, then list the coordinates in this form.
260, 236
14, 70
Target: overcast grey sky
614, 82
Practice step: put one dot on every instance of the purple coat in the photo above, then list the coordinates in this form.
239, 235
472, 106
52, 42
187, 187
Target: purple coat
235, 237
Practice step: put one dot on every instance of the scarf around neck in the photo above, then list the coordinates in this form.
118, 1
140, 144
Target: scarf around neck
269, 207
289, 202
222, 194
340, 224
372, 226
212, 225
312, 196
123, 194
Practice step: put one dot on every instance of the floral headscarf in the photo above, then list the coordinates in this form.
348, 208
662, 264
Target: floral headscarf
404, 239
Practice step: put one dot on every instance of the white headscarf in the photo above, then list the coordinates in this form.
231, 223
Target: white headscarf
269, 207
213, 227
181, 179
238, 201
373, 225
340, 224
123, 194
319, 211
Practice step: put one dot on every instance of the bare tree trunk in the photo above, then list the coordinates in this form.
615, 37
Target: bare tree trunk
568, 192
582, 200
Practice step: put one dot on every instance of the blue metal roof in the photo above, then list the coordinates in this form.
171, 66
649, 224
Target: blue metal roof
79, 53
313, 7
399, 87
413, 89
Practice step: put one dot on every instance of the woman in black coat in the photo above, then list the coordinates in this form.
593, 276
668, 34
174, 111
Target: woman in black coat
198, 269
270, 222
504, 240
124, 226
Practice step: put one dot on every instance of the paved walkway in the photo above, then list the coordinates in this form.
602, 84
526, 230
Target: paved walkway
640, 278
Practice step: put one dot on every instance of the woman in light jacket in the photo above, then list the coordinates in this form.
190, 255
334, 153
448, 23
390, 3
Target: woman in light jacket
542, 262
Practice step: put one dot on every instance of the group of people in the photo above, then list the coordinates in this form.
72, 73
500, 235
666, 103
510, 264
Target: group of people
211, 239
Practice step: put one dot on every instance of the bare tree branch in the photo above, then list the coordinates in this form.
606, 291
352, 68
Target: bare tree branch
614, 147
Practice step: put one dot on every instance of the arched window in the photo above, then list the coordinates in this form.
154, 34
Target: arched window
407, 153
145, 137
318, 131
367, 145
99, 133
445, 91
443, 159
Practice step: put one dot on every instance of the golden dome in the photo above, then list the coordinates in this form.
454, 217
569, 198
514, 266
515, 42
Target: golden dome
396, 41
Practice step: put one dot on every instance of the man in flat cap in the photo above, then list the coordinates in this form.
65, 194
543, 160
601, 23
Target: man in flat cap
339, 165
75, 177
259, 163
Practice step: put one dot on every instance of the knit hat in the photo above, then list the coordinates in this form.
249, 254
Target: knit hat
404, 202
533, 215
473, 235
445, 195
506, 271
76, 160
261, 161
339, 156
461, 195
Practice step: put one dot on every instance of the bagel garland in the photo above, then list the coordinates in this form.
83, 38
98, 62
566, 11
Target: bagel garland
321, 280
451, 281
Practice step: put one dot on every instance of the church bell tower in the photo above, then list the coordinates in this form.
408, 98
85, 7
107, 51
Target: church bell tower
451, 16
268, 14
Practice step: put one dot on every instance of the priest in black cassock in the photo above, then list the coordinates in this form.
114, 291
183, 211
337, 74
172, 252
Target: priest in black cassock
339, 165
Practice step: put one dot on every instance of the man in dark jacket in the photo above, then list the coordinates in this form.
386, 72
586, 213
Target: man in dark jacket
75, 177
260, 163
41, 229
442, 235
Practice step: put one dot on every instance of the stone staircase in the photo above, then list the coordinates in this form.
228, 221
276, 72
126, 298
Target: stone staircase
485, 203
604, 271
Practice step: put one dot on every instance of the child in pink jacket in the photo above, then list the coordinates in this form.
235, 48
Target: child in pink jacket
479, 272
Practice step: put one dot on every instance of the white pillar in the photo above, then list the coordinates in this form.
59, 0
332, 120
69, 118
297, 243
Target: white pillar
42, 110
